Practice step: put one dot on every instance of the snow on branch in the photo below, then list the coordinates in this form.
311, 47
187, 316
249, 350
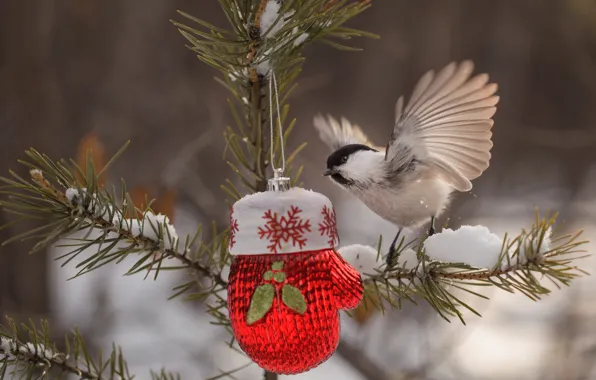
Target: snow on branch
111, 232
19, 358
275, 32
271, 21
471, 256
156, 228
473, 245
12, 349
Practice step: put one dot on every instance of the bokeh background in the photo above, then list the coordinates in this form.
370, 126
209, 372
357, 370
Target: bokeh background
96, 73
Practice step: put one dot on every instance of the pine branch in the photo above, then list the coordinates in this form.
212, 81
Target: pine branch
26, 351
524, 261
163, 375
247, 55
55, 196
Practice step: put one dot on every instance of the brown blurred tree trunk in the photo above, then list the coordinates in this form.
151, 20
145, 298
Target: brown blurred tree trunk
29, 116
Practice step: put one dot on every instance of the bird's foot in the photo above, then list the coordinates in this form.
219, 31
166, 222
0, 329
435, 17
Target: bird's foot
432, 230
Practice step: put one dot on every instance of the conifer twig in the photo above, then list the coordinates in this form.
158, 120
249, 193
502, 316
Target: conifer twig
40, 356
521, 261
26, 349
90, 208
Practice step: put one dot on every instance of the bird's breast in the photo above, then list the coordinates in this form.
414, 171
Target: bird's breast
409, 204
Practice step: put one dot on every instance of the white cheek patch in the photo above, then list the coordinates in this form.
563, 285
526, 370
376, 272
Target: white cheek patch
363, 166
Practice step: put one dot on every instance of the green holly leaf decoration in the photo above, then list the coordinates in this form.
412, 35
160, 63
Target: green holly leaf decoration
268, 275
260, 304
293, 299
279, 276
278, 265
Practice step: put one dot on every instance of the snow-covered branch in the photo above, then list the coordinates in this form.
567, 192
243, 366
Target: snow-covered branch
19, 358
43, 358
151, 235
111, 232
470, 256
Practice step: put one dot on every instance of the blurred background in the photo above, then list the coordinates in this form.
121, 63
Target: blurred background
77, 74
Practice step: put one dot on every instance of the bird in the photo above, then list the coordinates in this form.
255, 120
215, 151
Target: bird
440, 141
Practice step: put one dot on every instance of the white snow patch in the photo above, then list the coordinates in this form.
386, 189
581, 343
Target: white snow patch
10, 348
268, 18
407, 259
38, 350
362, 257
6, 345
473, 245
149, 227
133, 226
225, 272
537, 246
263, 68
71, 194
301, 38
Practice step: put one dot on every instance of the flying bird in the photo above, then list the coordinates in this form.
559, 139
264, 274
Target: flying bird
441, 140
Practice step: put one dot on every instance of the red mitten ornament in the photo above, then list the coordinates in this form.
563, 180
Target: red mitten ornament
287, 283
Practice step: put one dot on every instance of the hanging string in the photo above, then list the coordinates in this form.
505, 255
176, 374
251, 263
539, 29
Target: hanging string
277, 172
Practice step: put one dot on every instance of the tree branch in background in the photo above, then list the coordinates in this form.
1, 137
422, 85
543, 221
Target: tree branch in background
360, 362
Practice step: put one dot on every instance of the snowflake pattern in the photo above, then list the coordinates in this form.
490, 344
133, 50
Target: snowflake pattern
233, 228
329, 226
290, 227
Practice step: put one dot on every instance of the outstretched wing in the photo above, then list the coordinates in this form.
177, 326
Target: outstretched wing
336, 133
446, 124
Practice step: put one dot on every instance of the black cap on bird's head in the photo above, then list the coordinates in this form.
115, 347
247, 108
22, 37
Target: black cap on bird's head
339, 158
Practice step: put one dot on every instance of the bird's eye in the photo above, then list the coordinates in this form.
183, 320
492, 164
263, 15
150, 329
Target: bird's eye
344, 159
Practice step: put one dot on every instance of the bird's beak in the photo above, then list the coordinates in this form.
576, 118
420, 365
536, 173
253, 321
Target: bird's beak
328, 172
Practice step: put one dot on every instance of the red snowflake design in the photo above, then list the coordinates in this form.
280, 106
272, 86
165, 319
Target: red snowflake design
329, 226
286, 228
233, 228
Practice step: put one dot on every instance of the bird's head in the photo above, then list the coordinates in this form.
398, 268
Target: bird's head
353, 165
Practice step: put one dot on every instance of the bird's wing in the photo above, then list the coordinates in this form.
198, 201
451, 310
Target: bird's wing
446, 124
336, 133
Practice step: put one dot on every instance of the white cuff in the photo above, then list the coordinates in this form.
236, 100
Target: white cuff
270, 222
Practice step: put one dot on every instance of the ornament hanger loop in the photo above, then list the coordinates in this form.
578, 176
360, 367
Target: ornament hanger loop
278, 182
273, 87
